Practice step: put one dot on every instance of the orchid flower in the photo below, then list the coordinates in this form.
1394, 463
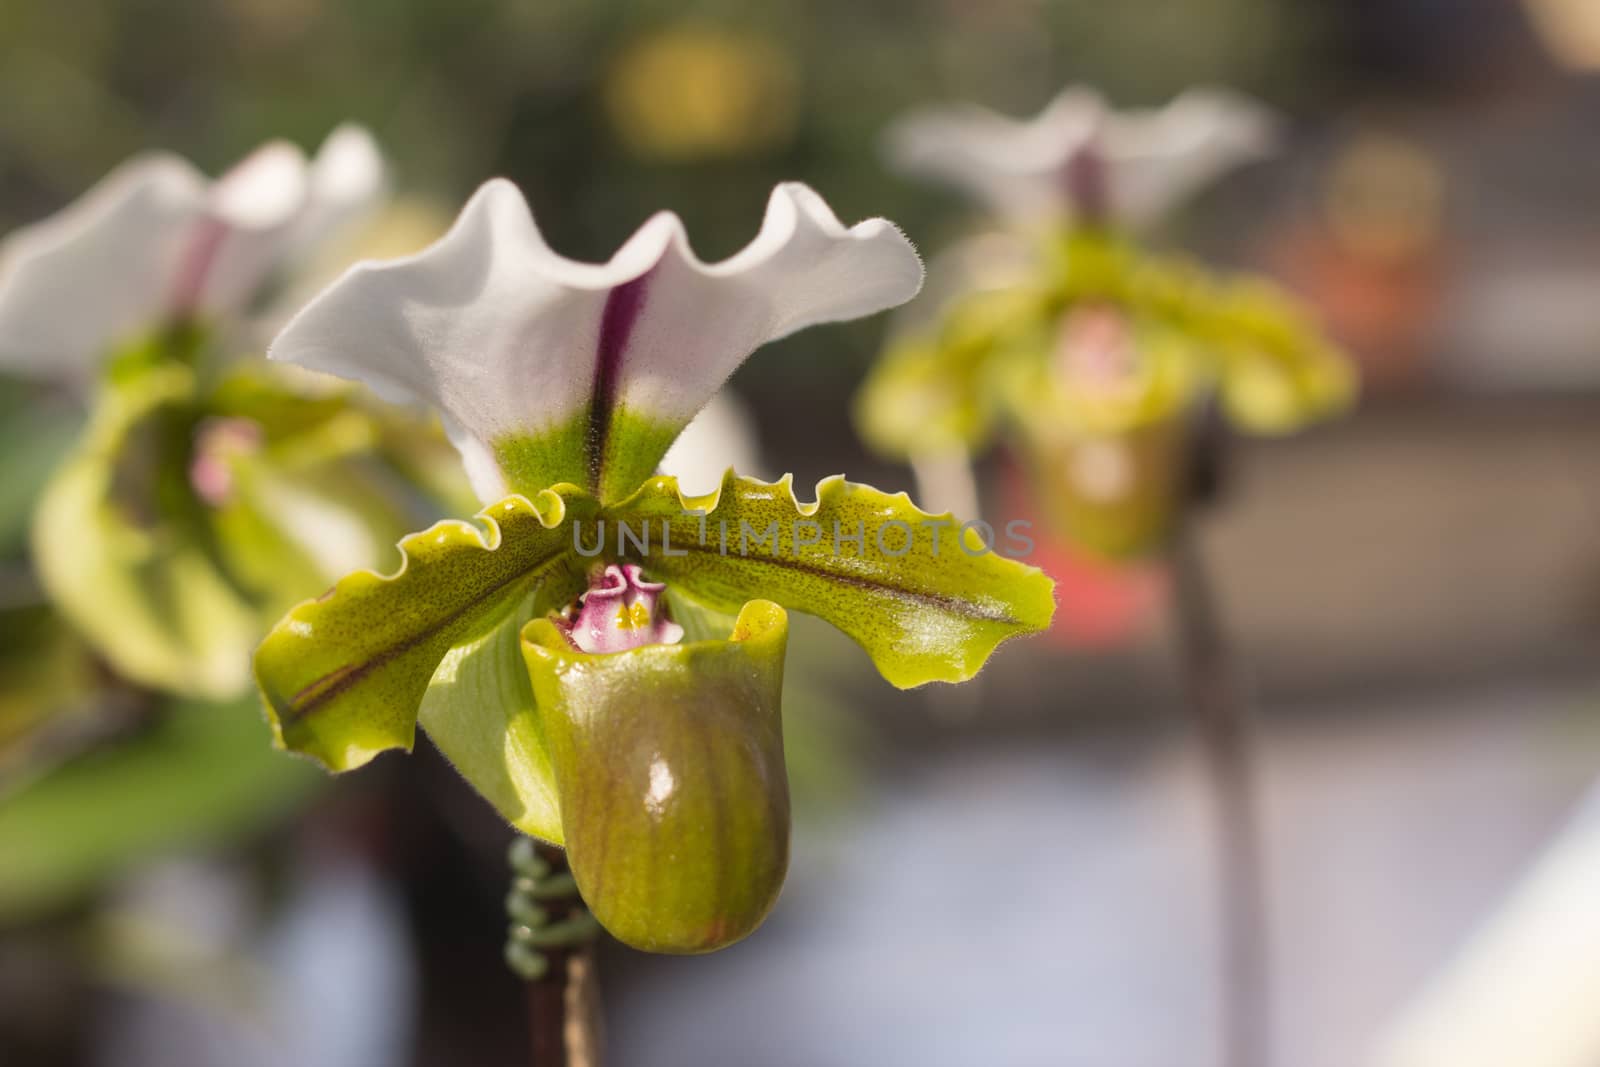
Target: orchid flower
1090, 355
602, 658
200, 496
157, 244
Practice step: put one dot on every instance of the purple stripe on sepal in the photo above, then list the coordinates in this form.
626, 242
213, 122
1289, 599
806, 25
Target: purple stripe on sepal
617, 321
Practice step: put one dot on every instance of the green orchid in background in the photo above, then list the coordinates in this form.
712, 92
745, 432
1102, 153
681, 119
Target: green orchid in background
204, 495
602, 657
1091, 356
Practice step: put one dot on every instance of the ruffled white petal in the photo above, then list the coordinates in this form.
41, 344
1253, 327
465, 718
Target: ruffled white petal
1020, 168
72, 284
507, 338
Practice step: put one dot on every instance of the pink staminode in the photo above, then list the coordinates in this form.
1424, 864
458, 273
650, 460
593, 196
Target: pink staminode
620, 611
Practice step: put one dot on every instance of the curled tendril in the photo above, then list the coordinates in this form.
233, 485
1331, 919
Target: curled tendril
544, 910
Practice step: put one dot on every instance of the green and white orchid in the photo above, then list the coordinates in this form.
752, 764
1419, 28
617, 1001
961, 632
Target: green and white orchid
205, 494
602, 658
1064, 337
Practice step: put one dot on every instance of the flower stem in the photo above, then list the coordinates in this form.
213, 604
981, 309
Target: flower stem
1220, 717
549, 946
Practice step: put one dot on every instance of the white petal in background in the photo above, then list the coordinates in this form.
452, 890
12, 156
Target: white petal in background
348, 182
271, 210
1157, 159
75, 281
505, 337
723, 435
1020, 168
156, 239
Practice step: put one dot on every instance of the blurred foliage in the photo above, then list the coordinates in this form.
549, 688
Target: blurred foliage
201, 774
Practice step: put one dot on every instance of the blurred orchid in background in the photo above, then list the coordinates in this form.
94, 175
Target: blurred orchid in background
1091, 357
530, 649
1106, 368
205, 493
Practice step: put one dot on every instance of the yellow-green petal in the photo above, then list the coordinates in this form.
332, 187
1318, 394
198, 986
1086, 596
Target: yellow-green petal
923, 598
343, 675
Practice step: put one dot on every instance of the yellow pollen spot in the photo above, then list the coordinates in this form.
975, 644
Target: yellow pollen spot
634, 617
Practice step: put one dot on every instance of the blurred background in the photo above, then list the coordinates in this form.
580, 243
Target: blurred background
1018, 872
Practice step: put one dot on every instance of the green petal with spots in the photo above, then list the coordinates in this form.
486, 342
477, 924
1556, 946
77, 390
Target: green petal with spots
343, 676
669, 762
925, 603
633, 447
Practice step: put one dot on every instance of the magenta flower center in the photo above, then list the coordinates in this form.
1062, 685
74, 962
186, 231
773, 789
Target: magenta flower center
620, 611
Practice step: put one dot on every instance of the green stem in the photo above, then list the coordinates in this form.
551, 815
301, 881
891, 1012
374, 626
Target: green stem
1220, 717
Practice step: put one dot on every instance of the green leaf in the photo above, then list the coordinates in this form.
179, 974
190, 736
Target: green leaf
343, 675
669, 762
201, 775
926, 602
